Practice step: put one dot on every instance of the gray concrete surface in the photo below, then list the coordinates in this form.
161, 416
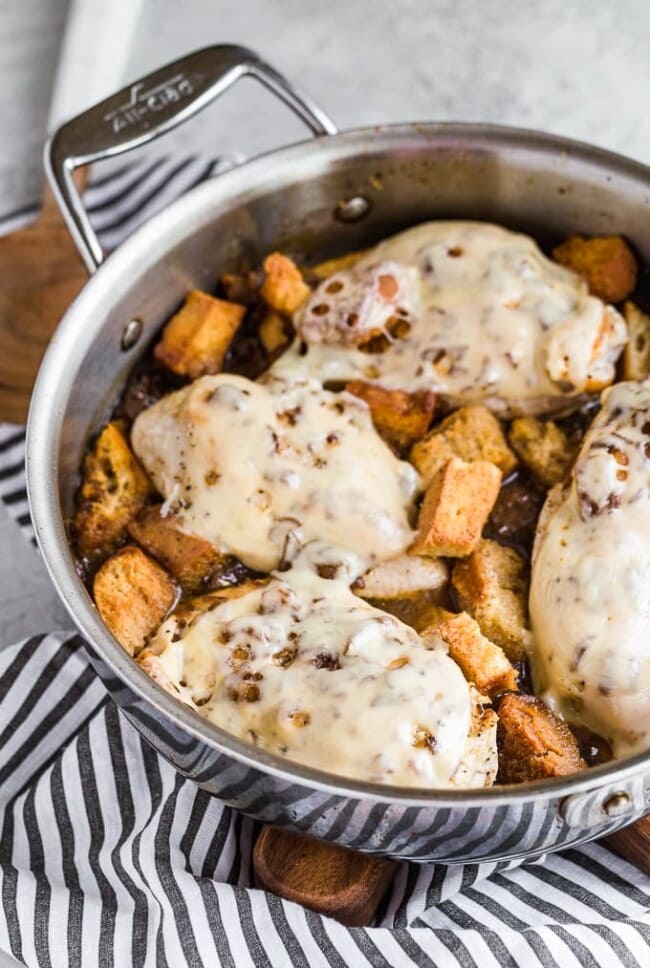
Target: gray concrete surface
574, 67
30, 36
29, 602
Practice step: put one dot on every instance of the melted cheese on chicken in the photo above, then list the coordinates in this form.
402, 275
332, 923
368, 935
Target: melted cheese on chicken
590, 592
243, 464
302, 667
469, 310
294, 480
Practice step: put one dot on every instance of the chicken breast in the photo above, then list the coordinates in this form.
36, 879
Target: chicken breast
302, 667
242, 464
465, 309
590, 591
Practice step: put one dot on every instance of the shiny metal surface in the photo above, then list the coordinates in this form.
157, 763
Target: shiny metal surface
149, 108
288, 200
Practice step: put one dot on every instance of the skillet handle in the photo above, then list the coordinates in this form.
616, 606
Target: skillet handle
149, 108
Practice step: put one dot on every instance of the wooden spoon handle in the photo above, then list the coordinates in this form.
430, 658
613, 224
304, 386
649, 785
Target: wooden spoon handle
331, 880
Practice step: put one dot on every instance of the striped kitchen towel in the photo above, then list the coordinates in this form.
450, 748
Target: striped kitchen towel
109, 857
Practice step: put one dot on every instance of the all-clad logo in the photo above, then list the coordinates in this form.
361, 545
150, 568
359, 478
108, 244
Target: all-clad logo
149, 101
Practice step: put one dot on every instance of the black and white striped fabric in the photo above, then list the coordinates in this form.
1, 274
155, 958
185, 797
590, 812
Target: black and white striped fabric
109, 857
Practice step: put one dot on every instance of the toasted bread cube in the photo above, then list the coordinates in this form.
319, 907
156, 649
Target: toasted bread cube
455, 508
243, 288
284, 288
471, 433
408, 587
481, 661
420, 610
400, 418
339, 264
196, 605
274, 332
543, 448
402, 576
533, 743
607, 264
195, 341
190, 558
636, 355
133, 595
492, 585
113, 488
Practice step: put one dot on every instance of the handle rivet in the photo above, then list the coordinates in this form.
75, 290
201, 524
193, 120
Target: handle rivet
131, 335
352, 209
617, 804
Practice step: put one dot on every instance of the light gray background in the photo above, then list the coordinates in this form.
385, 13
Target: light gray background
574, 67
30, 35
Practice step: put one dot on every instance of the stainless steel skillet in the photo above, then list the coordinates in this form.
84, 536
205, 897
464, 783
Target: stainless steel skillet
316, 199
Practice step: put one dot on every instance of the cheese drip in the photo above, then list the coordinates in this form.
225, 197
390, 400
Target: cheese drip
303, 668
590, 591
467, 309
245, 463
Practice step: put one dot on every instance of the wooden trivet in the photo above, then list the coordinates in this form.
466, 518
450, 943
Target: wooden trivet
633, 844
349, 886
331, 880
40, 274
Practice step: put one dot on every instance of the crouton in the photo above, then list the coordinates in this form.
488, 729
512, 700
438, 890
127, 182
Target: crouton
400, 418
339, 264
607, 264
402, 576
133, 595
195, 341
113, 489
284, 288
190, 558
533, 743
408, 587
455, 508
243, 288
636, 355
471, 433
481, 661
274, 332
543, 448
420, 610
492, 585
